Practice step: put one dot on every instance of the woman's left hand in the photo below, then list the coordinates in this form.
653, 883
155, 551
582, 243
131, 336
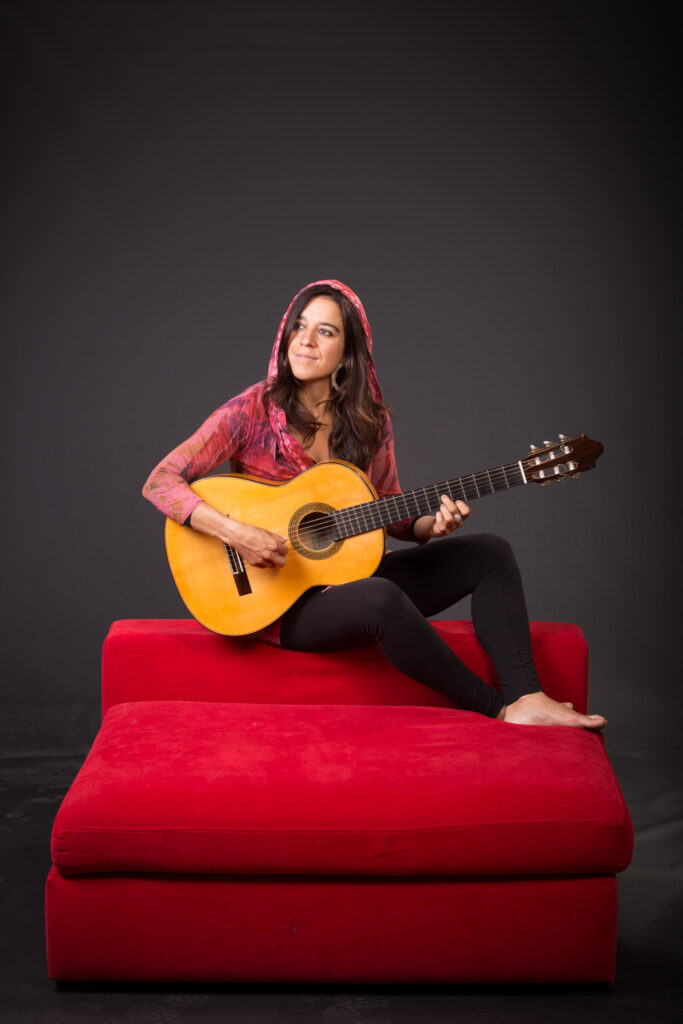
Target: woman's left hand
451, 515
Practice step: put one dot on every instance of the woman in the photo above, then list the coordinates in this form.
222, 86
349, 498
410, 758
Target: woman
322, 400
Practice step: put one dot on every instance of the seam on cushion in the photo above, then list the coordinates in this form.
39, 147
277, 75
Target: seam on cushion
344, 831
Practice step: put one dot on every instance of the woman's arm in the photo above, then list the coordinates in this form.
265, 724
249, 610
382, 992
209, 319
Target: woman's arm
168, 485
222, 436
258, 547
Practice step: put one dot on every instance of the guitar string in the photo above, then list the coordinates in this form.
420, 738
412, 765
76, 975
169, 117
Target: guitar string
346, 516
488, 479
364, 514
353, 514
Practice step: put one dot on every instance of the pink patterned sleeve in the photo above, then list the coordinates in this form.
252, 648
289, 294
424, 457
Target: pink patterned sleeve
218, 439
384, 475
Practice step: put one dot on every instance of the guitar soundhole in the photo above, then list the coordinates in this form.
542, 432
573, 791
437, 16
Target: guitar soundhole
311, 532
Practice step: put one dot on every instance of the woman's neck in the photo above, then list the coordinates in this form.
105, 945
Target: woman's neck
314, 395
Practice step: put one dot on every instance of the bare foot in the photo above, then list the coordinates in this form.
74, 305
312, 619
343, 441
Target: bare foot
539, 709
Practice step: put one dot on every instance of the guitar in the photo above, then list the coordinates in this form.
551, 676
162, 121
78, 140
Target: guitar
335, 523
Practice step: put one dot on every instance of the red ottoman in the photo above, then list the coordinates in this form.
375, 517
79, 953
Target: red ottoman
239, 841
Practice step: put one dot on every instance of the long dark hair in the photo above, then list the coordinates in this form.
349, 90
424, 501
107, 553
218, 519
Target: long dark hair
358, 418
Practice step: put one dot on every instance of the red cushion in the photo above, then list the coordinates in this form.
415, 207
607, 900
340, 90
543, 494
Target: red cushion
351, 930
298, 789
177, 659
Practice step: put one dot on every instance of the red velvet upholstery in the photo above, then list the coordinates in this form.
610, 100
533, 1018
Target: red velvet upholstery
251, 814
176, 786
177, 659
249, 929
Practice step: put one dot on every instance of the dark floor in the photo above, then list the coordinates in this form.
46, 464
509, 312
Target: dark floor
41, 751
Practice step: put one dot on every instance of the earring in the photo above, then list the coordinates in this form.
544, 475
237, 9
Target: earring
333, 378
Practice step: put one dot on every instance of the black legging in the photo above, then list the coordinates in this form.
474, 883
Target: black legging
391, 608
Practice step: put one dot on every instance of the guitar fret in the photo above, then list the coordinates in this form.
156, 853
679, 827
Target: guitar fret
341, 524
416, 503
376, 517
513, 473
481, 483
469, 492
461, 496
394, 508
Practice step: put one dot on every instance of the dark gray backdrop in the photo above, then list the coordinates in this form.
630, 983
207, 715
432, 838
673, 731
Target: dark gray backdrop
499, 181
496, 180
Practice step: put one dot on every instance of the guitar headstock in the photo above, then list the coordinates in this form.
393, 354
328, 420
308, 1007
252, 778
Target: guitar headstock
556, 460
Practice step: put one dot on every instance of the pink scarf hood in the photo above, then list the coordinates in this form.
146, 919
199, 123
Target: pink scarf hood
276, 415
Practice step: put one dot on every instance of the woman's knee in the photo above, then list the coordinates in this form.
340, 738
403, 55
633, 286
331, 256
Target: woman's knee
347, 610
382, 598
494, 542
493, 550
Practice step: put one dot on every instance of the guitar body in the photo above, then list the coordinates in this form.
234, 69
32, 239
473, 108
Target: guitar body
233, 603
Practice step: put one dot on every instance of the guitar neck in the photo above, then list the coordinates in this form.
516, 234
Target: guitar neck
356, 519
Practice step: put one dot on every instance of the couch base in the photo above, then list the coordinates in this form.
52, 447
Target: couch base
361, 930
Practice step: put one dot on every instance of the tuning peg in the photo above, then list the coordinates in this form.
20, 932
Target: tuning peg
563, 437
547, 444
534, 448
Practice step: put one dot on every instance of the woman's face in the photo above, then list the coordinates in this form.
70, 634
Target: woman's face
316, 344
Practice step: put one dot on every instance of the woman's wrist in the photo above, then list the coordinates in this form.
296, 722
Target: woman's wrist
421, 529
208, 520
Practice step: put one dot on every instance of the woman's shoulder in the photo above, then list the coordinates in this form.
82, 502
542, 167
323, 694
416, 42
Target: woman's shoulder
250, 396
237, 417
249, 402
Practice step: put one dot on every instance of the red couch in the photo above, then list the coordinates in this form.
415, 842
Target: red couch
252, 814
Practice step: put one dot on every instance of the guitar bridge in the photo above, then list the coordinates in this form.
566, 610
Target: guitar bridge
239, 572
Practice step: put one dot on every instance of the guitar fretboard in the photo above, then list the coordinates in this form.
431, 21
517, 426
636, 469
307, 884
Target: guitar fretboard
424, 501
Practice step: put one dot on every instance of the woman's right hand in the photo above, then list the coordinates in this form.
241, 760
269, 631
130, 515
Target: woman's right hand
258, 547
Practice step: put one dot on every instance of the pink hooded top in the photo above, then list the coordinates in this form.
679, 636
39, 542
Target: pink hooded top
251, 433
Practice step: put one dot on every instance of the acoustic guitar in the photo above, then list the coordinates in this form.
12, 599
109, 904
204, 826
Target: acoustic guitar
336, 526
